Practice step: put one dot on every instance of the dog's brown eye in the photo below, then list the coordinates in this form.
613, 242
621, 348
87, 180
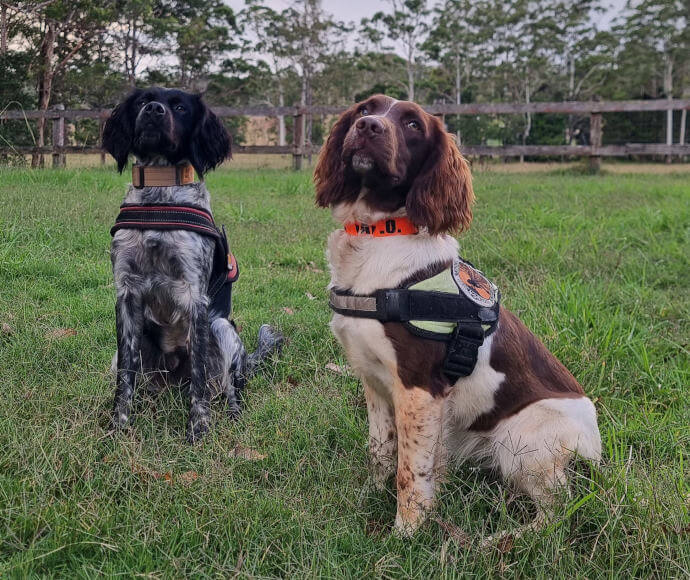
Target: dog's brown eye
414, 125
364, 112
179, 108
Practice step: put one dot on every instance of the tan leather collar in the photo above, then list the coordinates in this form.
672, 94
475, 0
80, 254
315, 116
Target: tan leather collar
162, 175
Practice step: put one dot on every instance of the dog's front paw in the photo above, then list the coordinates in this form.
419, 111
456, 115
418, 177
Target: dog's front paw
406, 528
197, 428
234, 410
408, 521
120, 420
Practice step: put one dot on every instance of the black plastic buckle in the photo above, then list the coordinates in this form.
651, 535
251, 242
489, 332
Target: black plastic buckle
463, 350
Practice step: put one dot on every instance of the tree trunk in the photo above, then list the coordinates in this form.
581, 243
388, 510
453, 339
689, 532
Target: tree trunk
571, 97
668, 89
132, 57
458, 93
281, 118
410, 81
45, 87
528, 117
3, 29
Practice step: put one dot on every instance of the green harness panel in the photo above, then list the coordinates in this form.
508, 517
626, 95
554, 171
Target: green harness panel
460, 275
442, 282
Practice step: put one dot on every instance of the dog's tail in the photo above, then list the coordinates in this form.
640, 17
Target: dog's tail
270, 341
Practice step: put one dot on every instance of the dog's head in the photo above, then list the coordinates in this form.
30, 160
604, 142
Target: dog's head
170, 124
394, 154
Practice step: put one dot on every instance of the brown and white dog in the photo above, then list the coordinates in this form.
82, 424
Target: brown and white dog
520, 411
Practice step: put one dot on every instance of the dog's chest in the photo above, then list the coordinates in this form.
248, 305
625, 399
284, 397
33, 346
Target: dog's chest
369, 352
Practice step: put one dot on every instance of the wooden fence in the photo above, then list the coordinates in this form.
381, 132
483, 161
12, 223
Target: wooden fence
595, 151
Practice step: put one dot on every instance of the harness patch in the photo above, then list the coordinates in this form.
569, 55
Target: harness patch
473, 284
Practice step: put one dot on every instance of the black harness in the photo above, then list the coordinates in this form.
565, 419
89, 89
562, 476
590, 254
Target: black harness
473, 310
194, 219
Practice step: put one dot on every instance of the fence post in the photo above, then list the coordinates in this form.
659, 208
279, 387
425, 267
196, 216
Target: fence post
59, 159
595, 142
101, 125
297, 138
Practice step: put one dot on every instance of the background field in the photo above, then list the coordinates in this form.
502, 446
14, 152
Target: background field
597, 266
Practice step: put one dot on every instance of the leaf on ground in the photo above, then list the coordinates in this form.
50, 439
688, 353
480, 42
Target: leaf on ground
506, 543
6, 329
247, 453
59, 333
292, 381
188, 477
311, 266
287, 310
341, 370
458, 535
311, 296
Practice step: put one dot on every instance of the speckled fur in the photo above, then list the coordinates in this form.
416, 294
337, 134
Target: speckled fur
165, 329
162, 308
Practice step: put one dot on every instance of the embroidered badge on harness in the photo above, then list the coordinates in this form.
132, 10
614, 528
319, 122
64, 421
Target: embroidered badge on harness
473, 284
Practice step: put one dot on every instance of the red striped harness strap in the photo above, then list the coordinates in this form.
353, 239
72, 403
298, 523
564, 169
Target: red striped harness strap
193, 219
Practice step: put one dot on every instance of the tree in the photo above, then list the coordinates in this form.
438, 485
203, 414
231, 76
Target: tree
60, 29
138, 29
406, 25
657, 36
200, 32
265, 30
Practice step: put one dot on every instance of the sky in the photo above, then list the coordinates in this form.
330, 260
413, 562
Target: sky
355, 10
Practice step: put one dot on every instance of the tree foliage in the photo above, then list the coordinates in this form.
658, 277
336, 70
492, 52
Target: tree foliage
82, 53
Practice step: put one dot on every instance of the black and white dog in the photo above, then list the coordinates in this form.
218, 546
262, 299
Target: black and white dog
168, 326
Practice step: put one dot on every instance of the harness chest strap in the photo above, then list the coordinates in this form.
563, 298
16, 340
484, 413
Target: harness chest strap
458, 306
225, 270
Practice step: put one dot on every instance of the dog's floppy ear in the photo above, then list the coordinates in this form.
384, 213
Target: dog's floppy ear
211, 141
330, 173
118, 133
441, 196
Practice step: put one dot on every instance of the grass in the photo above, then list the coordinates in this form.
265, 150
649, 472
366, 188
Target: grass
596, 266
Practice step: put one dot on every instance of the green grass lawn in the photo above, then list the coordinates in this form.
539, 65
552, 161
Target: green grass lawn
596, 266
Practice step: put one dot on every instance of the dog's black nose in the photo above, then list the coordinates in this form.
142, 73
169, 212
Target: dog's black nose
154, 108
369, 126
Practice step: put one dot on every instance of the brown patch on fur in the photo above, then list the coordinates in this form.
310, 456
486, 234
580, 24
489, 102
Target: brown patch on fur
532, 373
419, 359
331, 175
441, 196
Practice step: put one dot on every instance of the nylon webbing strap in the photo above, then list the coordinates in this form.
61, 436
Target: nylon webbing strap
165, 217
181, 217
463, 350
402, 305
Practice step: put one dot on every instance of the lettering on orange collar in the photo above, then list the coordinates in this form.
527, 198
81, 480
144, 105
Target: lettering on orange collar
400, 226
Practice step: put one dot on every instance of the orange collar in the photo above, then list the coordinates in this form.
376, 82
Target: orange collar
399, 226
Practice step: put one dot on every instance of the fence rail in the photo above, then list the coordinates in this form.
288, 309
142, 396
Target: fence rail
299, 148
